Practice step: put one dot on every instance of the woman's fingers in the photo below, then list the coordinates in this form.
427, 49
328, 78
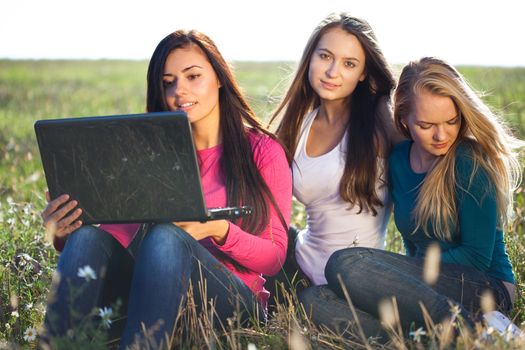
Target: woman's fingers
64, 226
53, 205
60, 216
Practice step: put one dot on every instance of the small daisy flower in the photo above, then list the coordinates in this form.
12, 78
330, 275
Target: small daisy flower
30, 334
416, 335
87, 273
27, 211
15, 314
105, 314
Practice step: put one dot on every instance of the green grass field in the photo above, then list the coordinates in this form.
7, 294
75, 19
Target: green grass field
32, 90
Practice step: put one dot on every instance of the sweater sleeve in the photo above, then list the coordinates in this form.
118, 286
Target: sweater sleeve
265, 253
477, 214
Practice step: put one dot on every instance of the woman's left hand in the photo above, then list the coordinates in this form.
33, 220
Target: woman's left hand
216, 229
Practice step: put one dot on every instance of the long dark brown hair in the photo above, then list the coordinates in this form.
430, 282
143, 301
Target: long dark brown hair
244, 184
358, 183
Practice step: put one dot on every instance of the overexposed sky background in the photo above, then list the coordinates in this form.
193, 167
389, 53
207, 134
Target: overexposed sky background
477, 32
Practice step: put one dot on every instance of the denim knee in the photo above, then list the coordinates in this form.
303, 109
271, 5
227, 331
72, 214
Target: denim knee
87, 245
344, 260
168, 234
166, 241
86, 237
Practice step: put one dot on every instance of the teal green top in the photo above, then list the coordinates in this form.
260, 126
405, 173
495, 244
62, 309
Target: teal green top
478, 242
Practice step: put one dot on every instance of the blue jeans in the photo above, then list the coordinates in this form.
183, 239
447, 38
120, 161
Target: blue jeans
153, 287
74, 297
371, 275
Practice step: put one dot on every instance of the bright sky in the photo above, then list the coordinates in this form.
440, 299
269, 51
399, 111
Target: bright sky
476, 32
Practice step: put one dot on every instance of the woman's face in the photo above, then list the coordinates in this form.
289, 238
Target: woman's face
337, 65
191, 85
434, 125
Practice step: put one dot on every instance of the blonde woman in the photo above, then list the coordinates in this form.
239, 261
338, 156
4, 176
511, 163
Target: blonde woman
452, 185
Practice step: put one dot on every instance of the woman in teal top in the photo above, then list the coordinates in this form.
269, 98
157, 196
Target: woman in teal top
452, 185
477, 241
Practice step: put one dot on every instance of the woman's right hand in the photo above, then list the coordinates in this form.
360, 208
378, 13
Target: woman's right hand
57, 222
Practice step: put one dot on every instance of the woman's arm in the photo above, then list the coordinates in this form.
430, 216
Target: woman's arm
265, 253
477, 216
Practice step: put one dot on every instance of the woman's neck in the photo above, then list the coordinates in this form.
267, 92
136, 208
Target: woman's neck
420, 160
334, 113
206, 134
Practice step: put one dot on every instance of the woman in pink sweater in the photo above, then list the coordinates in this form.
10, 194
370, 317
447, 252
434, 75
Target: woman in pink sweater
240, 164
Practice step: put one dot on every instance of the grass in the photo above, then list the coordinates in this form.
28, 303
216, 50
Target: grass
32, 90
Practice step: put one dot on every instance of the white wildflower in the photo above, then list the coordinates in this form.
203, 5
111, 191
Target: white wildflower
29, 306
30, 334
105, 314
27, 210
87, 273
416, 335
15, 314
251, 346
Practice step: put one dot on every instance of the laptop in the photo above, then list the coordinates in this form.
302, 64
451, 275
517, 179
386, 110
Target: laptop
127, 168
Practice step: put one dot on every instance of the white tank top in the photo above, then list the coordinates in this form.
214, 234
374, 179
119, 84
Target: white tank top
330, 225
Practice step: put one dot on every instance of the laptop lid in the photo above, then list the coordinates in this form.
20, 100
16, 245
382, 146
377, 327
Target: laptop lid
126, 168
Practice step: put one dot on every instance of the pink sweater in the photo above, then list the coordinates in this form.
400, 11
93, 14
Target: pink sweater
262, 254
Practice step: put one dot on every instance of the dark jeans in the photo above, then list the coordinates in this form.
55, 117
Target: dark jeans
153, 287
289, 279
371, 275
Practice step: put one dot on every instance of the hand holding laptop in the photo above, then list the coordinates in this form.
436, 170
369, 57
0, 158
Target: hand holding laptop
60, 216
217, 229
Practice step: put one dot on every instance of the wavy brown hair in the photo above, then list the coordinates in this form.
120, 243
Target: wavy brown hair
365, 129
492, 145
244, 184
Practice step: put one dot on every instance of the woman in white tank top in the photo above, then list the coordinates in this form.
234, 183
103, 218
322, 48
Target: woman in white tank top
336, 123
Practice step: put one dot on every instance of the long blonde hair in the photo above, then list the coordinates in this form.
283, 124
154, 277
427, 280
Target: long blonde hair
493, 147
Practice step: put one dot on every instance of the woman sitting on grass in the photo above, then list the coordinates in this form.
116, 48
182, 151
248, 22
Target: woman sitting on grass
337, 125
240, 164
452, 186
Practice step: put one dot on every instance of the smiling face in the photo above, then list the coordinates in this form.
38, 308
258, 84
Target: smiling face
191, 85
337, 65
434, 124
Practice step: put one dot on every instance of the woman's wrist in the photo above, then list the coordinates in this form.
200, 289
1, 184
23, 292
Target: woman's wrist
222, 229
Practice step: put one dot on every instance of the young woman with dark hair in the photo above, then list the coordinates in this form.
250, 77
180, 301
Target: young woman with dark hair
240, 164
336, 123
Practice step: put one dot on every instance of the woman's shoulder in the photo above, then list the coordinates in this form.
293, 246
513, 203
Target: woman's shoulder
397, 160
265, 147
400, 149
464, 156
469, 172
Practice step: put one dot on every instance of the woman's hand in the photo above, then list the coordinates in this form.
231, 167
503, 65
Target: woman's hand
57, 222
216, 229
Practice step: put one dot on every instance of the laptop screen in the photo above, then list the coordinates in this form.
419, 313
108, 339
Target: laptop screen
128, 168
